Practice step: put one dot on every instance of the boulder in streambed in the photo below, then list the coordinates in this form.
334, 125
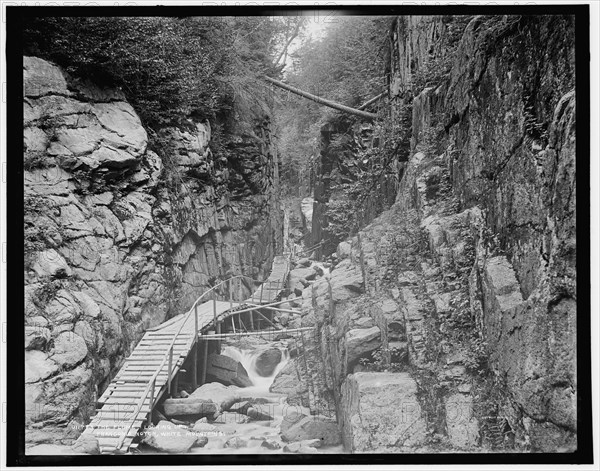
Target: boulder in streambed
190, 406
286, 380
235, 442
309, 428
258, 413
266, 362
87, 444
224, 396
170, 438
227, 371
270, 444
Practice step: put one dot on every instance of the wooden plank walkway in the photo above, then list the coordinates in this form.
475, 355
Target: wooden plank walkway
122, 413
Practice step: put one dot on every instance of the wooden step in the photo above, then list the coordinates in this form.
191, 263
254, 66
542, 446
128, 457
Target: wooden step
160, 351
110, 424
123, 408
145, 379
119, 394
127, 402
160, 334
139, 361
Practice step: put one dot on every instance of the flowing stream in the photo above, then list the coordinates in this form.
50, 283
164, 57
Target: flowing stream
253, 433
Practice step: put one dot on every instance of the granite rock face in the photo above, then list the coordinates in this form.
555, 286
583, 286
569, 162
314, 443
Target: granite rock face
381, 413
471, 272
496, 187
118, 239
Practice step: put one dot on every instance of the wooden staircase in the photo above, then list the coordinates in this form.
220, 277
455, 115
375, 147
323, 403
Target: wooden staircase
145, 376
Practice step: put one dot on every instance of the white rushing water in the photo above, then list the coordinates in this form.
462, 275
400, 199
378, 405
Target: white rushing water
251, 434
247, 358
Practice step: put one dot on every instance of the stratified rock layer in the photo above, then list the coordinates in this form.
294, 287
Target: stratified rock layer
118, 239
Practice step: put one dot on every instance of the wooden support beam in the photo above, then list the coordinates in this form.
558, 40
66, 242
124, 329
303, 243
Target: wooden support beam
266, 318
215, 313
218, 341
176, 383
255, 306
169, 372
204, 361
256, 332
195, 366
270, 308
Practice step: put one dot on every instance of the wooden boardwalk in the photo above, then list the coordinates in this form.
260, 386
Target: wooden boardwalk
145, 375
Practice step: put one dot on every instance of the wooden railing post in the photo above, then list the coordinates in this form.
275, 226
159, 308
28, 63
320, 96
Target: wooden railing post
152, 399
204, 362
230, 293
219, 341
169, 373
196, 322
215, 313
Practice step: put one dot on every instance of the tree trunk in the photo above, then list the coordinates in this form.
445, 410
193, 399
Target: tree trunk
371, 101
322, 101
289, 41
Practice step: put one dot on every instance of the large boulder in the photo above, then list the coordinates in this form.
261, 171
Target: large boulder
190, 406
235, 442
258, 413
88, 444
266, 362
286, 380
310, 428
227, 371
224, 396
290, 418
388, 400
169, 438
299, 275
361, 341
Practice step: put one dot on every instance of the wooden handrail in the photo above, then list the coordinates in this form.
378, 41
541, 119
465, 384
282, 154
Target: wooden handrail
169, 353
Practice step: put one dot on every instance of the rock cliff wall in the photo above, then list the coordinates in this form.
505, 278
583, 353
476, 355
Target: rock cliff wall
468, 282
119, 239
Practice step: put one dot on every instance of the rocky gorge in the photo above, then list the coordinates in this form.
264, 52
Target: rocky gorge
118, 240
434, 261
448, 322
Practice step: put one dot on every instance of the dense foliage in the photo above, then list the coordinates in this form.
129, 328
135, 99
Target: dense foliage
346, 66
170, 69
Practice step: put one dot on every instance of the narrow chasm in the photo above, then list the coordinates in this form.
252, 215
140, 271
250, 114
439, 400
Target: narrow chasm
263, 235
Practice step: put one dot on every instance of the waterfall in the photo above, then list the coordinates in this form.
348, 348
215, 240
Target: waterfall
247, 358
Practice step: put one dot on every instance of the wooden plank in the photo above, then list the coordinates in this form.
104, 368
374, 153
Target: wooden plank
125, 401
120, 409
118, 393
112, 424
162, 334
